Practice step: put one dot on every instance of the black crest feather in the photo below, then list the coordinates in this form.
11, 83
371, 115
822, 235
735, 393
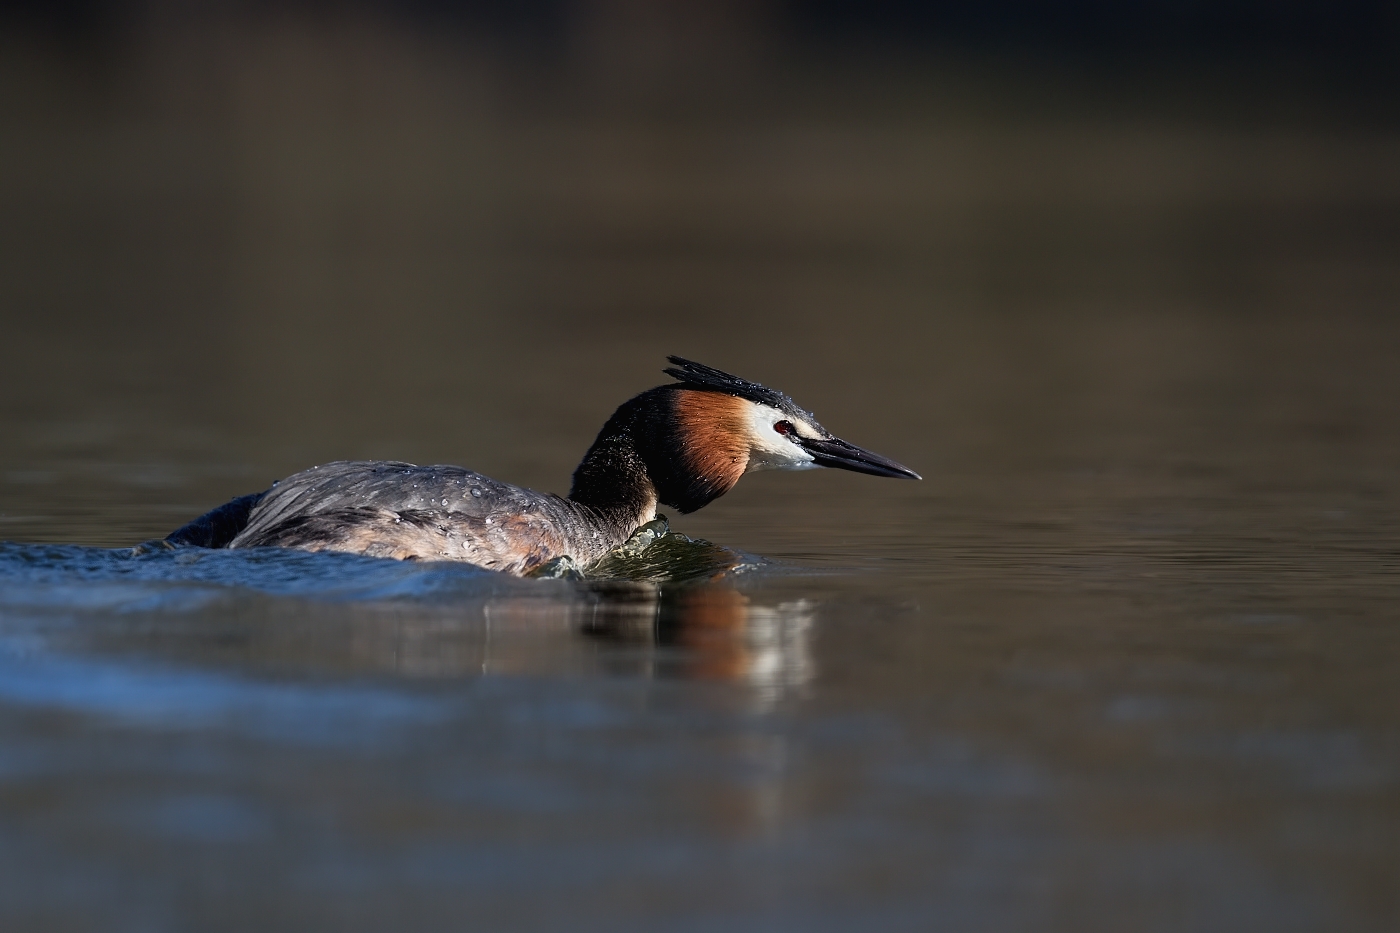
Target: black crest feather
699, 376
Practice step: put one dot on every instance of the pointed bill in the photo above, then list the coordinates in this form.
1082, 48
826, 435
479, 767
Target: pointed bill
834, 452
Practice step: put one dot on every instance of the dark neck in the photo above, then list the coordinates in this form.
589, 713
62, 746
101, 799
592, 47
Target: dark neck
612, 479
639, 460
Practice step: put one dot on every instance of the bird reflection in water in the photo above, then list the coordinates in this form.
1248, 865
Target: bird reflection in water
716, 633
708, 632
698, 631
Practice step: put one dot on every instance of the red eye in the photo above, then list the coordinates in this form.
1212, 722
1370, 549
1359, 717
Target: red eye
783, 427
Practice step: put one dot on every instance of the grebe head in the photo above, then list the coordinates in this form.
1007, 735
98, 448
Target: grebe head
686, 444
722, 427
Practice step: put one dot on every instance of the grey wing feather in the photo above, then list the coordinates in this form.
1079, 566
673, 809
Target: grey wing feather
388, 508
384, 484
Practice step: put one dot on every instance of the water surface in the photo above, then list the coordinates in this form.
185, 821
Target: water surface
1126, 659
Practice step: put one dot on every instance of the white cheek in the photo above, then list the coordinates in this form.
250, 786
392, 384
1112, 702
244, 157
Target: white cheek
769, 450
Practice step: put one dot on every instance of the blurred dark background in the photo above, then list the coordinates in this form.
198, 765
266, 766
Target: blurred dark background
1075, 26
1352, 37
239, 238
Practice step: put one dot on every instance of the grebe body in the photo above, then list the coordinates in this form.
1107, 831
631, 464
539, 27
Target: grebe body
682, 445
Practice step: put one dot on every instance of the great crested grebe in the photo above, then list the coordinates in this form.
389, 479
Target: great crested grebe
681, 445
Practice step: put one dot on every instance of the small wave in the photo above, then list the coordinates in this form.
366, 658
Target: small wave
156, 576
149, 694
655, 554
103, 577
